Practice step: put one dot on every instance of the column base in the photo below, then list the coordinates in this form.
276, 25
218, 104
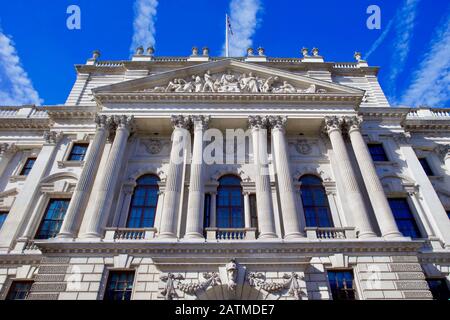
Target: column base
267, 235
91, 235
65, 235
194, 235
393, 235
166, 235
367, 235
293, 236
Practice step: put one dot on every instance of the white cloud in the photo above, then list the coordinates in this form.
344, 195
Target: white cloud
243, 16
431, 81
15, 86
405, 22
144, 23
380, 39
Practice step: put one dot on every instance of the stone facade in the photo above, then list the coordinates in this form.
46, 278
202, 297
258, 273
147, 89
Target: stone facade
304, 116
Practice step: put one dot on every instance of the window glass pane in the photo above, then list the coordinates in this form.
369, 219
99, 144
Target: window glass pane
19, 290
377, 152
439, 289
230, 208
3, 216
119, 286
27, 166
144, 202
207, 211
341, 284
426, 166
448, 214
315, 202
78, 152
253, 211
404, 218
53, 218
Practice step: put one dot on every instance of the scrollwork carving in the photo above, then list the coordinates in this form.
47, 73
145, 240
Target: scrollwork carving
169, 291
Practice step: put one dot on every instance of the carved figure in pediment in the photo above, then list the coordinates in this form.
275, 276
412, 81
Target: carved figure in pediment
267, 86
174, 85
310, 89
228, 83
286, 87
209, 82
198, 83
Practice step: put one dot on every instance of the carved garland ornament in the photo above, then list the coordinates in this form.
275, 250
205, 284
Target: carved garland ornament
230, 82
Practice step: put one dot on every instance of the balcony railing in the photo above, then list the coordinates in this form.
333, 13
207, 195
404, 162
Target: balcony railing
330, 233
119, 234
230, 233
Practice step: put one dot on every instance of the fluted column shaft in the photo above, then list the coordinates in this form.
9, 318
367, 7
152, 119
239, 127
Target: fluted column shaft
196, 199
352, 192
82, 191
377, 197
174, 177
285, 186
266, 219
102, 208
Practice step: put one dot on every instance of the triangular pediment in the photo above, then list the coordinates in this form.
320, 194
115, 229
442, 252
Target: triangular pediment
228, 76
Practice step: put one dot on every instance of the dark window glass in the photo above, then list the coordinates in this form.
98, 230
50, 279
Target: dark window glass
377, 152
207, 211
3, 216
230, 203
315, 202
439, 289
143, 203
448, 214
53, 219
78, 152
404, 217
426, 166
19, 290
253, 211
341, 284
119, 286
27, 166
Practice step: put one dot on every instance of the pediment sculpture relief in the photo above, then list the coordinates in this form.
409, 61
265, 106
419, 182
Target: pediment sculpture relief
231, 82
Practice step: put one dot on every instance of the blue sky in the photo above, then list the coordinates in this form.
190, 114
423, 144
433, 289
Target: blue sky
38, 51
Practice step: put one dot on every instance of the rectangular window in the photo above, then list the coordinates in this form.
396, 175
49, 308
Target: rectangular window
3, 215
27, 166
253, 211
207, 211
439, 289
119, 286
53, 219
448, 214
406, 223
377, 152
426, 166
341, 284
19, 290
78, 152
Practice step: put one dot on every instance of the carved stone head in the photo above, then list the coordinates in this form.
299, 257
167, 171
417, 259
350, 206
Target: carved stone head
232, 274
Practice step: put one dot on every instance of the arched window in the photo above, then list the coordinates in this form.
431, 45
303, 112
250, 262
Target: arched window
230, 203
143, 203
315, 202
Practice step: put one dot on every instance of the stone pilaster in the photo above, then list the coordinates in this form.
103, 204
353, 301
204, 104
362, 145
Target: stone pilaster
378, 199
194, 223
7, 151
285, 186
102, 208
266, 219
174, 182
352, 192
84, 186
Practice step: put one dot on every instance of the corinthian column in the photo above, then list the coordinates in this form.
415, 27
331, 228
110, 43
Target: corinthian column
82, 191
444, 153
285, 186
266, 220
194, 224
378, 199
174, 181
347, 174
102, 208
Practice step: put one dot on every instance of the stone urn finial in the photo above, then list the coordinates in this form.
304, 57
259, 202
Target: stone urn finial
140, 50
205, 51
261, 51
194, 51
95, 54
150, 51
357, 56
250, 52
315, 52
304, 52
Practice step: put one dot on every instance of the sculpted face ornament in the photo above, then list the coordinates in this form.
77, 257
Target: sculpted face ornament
232, 274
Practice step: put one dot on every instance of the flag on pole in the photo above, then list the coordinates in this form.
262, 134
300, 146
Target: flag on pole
229, 25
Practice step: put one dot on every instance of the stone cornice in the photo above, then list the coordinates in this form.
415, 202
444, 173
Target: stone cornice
139, 97
71, 112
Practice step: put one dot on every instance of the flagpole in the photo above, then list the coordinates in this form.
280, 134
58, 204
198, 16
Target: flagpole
226, 36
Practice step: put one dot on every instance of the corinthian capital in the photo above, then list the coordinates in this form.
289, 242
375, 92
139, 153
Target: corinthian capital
443, 150
353, 123
180, 121
333, 123
6, 148
103, 121
257, 122
52, 137
124, 122
277, 122
200, 121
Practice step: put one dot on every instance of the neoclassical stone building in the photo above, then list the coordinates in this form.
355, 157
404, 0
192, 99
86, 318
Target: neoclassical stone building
224, 178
